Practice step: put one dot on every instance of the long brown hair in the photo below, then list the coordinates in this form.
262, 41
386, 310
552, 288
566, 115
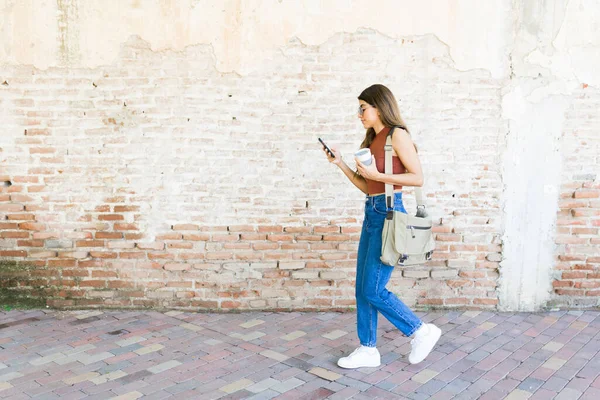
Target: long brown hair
383, 100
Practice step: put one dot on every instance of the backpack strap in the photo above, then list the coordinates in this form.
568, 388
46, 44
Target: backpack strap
389, 188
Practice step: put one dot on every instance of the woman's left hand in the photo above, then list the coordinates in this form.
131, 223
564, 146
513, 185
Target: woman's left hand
368, 171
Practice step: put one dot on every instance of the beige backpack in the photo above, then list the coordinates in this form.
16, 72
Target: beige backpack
406, 239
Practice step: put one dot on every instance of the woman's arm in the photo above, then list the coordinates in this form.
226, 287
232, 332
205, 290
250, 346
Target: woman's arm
356, 179
405, 149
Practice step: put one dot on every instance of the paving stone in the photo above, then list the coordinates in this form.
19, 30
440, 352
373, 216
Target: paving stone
149, 349
472, 374
128, 396
386, 385
344, 394
424, 376
543, 394
136, 376
457, 386
389, 358
130, 341
518, 394
126, 349
47, 359
531, 384
566, 373
591, 394
448, 375
297, 363
482, 385
80, 378
293, 335
487, 326
108, 377
274, 355
88, 314
568, 394
262, 385
87, 359
10, 376
431, 387
252, 323
237, 385
335, 334
266, 395
579, 384
5, 385
287, 385
248, 337
191, 327
318, 394
362, 386
477, 355
553, 346
164, 366
325, 374
173, 313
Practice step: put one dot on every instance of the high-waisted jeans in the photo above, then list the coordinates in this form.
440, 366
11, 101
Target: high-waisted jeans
372, 276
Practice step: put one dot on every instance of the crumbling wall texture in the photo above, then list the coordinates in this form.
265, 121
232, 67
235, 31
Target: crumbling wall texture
146, 162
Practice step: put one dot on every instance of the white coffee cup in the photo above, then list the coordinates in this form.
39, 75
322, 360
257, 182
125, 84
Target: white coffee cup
364, 156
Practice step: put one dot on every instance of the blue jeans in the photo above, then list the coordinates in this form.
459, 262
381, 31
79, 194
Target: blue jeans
372, 275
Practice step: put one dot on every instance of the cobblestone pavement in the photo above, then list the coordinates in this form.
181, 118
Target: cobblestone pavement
89, 354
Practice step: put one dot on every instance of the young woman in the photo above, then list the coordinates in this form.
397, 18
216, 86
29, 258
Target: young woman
378, 112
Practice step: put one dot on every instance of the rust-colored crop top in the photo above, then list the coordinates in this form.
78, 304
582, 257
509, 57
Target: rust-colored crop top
378, 150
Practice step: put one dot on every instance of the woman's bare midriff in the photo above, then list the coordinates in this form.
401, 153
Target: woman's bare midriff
377, 194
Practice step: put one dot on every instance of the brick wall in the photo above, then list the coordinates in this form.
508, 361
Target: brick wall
158, 181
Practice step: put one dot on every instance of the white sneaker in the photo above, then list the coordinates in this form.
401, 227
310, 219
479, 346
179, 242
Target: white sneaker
362, 357
425, 339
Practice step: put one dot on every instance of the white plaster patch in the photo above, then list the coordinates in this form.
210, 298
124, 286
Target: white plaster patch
531, 167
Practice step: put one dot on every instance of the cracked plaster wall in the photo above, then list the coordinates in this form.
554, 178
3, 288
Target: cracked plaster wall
539, 52
243, 34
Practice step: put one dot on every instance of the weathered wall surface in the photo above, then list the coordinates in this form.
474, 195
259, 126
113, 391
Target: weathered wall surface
164, 153
551, 163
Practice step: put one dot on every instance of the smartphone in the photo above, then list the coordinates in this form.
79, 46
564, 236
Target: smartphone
327, 148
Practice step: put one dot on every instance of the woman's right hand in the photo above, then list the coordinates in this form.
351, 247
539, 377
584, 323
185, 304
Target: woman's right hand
338, 157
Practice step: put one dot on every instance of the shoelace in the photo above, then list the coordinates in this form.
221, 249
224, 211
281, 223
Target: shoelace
356, 351
416, 340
